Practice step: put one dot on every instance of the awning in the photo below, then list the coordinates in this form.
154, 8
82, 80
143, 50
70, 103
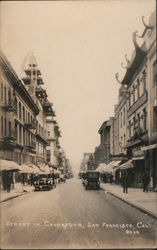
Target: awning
44, 168
126, 165
108, 168
138, 158
149, 147
25, 169
35, 169
101, 167
116, 164
8, 165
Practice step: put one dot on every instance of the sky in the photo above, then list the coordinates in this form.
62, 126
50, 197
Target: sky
79, 47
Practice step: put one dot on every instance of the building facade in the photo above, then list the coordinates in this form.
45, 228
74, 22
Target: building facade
140, 104
18, 111
102, 152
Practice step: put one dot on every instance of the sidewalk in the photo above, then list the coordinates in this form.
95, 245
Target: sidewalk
18, 190
146, 202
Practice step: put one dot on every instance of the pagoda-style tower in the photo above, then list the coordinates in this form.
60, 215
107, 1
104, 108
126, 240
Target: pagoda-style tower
33, 76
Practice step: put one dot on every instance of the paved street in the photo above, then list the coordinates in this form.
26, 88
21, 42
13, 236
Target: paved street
71, 217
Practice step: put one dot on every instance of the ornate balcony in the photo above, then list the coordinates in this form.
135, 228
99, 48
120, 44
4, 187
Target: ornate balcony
9, 107
32, 145
138, 103
31, 124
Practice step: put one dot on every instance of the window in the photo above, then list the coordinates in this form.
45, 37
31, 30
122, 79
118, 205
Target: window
5, 127
144, 119
9, 97
144, 80
24, 136
15, 101
129, 99
129, 129
28, 117
48, 133
1, 125
2, 92
124, 116
155, 119
124, 140
121, 119
20, 110
16, 130
134, 123
20, 139
5, 95
155, 72
23, 114
138, 88
138, 120
9, 128
133, 92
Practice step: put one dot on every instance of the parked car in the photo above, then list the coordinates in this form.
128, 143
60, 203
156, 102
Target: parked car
62, 178
43, 182
92, 180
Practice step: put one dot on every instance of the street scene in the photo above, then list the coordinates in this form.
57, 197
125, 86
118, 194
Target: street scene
70, 217
78, 125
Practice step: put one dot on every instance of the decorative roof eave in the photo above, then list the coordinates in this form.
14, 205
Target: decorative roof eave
147, 26
137, 58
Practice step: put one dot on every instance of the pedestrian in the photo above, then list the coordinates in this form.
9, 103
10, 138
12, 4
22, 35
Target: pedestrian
146, 180
32, 179
125, 182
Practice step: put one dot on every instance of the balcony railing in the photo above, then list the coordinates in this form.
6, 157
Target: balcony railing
32, 145
31, 124
9, 106
138, 104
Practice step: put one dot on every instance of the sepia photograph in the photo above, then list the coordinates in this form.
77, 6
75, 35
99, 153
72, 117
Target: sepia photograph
78, 124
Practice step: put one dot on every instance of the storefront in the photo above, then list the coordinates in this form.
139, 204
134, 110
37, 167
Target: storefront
151, 152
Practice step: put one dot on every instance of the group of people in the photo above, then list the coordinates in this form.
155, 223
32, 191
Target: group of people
125, 181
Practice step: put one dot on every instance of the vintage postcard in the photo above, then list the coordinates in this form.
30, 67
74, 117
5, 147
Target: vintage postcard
78, 124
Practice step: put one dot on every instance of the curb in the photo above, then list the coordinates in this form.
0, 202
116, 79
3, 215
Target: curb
15, 196
132, 204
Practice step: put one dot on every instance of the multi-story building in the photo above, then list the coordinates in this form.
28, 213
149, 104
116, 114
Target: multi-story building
102, 152
18, 111
149, 36
53, 148
33, 82
137, 83
119, 127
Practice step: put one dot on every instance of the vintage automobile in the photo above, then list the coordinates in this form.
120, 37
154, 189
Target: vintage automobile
43, 181
92, 180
